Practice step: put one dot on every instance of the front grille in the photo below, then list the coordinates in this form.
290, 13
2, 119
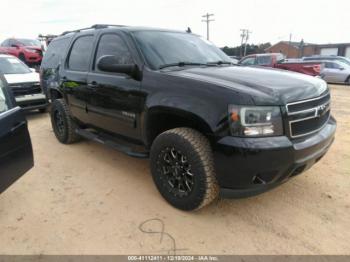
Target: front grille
26, 89
308, 116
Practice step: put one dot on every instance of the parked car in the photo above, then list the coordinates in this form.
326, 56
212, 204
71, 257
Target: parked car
16, 155
336, 72
28, 50
206, 124
277, 60
321, 58
24, 83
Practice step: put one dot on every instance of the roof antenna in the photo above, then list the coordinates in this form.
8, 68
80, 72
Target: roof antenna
189, 30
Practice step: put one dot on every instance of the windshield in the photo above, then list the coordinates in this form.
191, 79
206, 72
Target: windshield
12, 65
164, 48
29, 42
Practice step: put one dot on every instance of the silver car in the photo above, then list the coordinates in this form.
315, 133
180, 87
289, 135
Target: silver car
335, 71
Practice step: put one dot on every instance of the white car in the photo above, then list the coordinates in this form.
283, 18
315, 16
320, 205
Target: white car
24, 83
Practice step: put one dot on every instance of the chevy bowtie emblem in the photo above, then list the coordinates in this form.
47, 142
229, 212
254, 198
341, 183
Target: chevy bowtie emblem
321, 110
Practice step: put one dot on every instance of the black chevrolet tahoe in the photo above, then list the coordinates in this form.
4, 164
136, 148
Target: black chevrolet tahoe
208, 126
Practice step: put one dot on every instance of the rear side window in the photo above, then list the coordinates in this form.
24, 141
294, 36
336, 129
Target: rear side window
3, 99
264, 60
55, 52
80, 53
111, 44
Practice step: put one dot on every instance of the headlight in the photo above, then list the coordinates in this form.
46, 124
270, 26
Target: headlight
255, 121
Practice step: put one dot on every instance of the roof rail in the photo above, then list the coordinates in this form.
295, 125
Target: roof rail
96, 26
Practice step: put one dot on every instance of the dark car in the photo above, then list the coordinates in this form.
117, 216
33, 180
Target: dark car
206, 124
28, 50
16, 155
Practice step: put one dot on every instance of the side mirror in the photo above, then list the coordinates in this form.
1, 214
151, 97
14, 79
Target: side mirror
341, 68
110, 63
15, 46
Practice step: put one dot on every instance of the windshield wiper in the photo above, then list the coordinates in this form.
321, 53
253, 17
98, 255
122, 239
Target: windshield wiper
220, 62
180, 64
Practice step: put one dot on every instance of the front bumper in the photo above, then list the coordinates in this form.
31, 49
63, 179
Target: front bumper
32, 102
249, 166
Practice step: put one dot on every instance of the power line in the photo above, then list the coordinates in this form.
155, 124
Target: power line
208, 20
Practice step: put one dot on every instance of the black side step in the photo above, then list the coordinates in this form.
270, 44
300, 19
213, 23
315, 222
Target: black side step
128, 148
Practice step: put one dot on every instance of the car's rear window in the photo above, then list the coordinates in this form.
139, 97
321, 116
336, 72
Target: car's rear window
55, 52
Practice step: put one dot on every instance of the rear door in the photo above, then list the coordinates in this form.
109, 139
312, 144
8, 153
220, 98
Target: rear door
74, 77
16, 155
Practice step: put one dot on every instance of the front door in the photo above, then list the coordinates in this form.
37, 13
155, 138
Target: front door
16, 155
115, 103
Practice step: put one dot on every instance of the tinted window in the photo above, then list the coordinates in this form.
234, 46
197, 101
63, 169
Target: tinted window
55, 52
3, 101
264, 60
80, 53
111, 44
248, 61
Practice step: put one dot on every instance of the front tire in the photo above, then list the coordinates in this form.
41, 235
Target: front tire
62, 123
183, 168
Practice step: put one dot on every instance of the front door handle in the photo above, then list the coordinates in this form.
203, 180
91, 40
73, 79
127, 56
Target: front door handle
17, 126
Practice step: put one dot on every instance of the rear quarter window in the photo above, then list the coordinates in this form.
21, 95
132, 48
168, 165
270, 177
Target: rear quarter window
55, 52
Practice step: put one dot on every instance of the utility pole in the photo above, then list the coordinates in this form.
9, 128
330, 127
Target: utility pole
207, 20
290, 41
245, 37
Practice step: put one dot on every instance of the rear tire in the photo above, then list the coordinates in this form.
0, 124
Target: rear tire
62, 123
183, 168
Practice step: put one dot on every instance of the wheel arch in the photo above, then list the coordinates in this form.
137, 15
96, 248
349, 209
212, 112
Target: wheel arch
160, 118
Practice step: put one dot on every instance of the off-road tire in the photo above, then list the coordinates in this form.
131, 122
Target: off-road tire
67, 134
196, 148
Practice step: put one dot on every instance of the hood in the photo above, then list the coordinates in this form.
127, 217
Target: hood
22, 78
264, 85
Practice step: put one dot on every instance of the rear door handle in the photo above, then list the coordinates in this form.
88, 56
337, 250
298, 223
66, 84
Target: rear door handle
17, 125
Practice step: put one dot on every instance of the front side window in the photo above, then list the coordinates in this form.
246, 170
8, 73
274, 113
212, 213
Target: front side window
79, 57
162, 47
12, 65
111, 44
3, 99
248, 61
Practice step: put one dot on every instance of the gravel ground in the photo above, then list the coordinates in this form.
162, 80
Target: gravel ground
88, 199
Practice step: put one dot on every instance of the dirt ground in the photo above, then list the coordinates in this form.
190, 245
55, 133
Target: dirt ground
89, 199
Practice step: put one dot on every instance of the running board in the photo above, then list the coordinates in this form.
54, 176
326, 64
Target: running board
115, 143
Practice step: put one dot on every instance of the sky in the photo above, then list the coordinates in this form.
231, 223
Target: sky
315, 21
